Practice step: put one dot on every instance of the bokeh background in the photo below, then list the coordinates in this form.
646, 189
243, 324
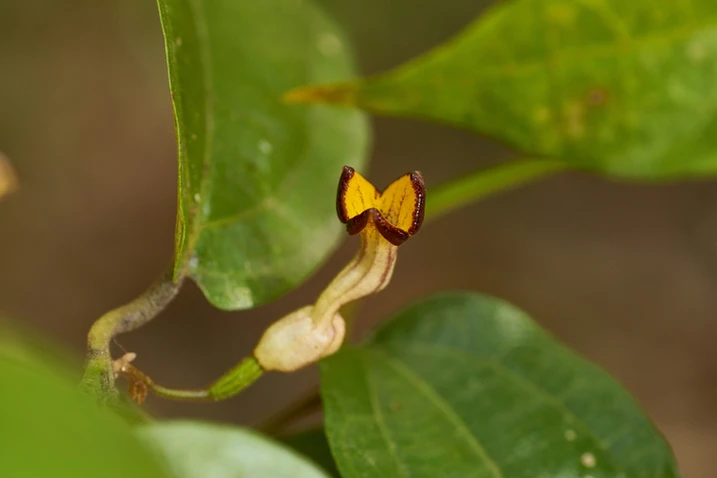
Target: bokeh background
624, 273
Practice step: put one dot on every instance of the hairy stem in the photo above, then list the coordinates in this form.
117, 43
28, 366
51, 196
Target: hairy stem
231, 383
99, 374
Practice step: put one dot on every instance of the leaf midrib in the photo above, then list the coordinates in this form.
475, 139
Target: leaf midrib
433, 396
378, 415
204, 55
428, 348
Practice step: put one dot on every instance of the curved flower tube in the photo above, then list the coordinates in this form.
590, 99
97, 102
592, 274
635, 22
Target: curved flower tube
384, 221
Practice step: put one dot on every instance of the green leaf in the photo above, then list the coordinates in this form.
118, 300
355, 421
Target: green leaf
464, 190
621, 87
466, 385
195, 449
50, 429
20, 346
312, 443
257, 177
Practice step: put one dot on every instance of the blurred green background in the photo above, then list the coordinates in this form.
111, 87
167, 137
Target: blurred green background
625, 274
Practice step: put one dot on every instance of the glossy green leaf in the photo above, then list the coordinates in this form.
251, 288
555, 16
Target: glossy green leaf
466, 385
312, 444
195, 449
621, 87
48, 428
257, 177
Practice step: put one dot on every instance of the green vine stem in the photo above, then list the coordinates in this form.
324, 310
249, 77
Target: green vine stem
456, 193
99, 375
231, 383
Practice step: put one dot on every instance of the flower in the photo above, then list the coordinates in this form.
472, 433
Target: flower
384, 220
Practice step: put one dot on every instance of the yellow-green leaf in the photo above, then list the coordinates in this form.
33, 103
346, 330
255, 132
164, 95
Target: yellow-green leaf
50, 428
620, 87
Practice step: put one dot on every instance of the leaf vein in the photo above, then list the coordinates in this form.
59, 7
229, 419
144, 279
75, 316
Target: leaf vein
519, 380
431, 394
383, 429
208, 85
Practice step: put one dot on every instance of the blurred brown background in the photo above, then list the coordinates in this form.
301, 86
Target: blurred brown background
626, 274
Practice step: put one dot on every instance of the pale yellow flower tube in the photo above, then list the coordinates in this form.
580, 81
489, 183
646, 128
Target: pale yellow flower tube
384, 221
